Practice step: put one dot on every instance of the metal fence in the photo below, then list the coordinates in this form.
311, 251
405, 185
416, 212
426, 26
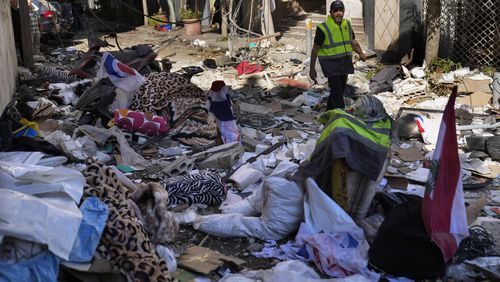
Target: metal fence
470, 31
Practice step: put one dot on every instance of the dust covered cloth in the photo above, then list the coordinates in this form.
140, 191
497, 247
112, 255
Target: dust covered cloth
124, 242
201, 188
183, 104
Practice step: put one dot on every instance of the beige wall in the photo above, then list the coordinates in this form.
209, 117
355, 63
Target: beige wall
8, 59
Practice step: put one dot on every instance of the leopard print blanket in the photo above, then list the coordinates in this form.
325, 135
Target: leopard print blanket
124, 242
184, 105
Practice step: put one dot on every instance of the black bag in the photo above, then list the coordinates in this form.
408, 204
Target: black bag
402, 246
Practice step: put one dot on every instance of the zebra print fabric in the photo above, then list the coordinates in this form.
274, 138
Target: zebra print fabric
201, 188
53, 74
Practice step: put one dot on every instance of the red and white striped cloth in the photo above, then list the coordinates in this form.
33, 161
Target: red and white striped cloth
443, 209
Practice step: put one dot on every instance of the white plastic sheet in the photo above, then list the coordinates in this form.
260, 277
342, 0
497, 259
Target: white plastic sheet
53, 220
287, 271
100, 135
341, 249
36, 179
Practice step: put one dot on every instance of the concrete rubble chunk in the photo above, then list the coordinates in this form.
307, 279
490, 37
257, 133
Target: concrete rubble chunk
181, 166
223, 156
493, 147
245, 176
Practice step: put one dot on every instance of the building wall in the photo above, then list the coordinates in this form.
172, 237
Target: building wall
8, 58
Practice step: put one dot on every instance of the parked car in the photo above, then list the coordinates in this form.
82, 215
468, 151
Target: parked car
49, 17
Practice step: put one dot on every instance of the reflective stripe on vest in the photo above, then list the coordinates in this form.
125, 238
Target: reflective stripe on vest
338, 39
377, 133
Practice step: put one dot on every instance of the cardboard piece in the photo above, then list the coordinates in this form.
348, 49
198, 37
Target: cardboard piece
303, 118
475, 99
473, 208
292, 134
494, 172
411, 154
276, 106
470, 85
397, 182
204, 260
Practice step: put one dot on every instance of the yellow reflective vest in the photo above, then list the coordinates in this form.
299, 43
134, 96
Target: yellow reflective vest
338, 39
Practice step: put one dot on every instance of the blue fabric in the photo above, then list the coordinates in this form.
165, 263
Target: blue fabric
41, 268
222, 110
95, 215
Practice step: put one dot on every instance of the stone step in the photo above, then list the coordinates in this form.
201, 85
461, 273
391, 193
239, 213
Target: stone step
302, 28
301, 36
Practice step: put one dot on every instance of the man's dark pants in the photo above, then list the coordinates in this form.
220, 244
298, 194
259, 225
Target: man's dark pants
337, 85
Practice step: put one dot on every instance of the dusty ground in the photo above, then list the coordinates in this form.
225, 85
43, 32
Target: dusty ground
174, 45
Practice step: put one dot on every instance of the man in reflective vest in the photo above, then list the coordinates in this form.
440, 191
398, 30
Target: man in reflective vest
333, 46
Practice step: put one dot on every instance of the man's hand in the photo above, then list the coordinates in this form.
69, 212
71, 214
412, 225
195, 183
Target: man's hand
313, 75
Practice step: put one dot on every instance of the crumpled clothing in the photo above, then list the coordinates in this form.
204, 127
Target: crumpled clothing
246, 68
124, 242
287, 251
382, 81
181, 102
144, 123
40, 268
95, 215
202, 188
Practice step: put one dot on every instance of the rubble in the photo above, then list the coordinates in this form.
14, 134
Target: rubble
154, 159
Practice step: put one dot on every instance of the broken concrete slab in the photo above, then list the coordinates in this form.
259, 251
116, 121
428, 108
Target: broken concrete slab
255, 109
181, 166
204, 260
223, 156
493, 147
245, 176
477, 143
410, 154
249, 143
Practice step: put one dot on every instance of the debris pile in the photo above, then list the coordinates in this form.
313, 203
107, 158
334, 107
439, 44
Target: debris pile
230, 169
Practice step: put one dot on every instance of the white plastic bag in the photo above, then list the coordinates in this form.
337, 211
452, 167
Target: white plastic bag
279, 202
36, 179
52, 220
287, 271
340, 250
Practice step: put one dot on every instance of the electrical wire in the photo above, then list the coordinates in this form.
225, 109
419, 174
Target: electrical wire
114, 33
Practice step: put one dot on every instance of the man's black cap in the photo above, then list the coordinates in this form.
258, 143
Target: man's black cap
337, 4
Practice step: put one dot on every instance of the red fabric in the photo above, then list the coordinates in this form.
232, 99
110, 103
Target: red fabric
294, 83
144, 123
246, 68
443, 208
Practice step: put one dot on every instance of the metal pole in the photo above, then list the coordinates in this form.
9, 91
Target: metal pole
308, 37
251, 20
495, 85
224, 17
230, 42
145, 11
